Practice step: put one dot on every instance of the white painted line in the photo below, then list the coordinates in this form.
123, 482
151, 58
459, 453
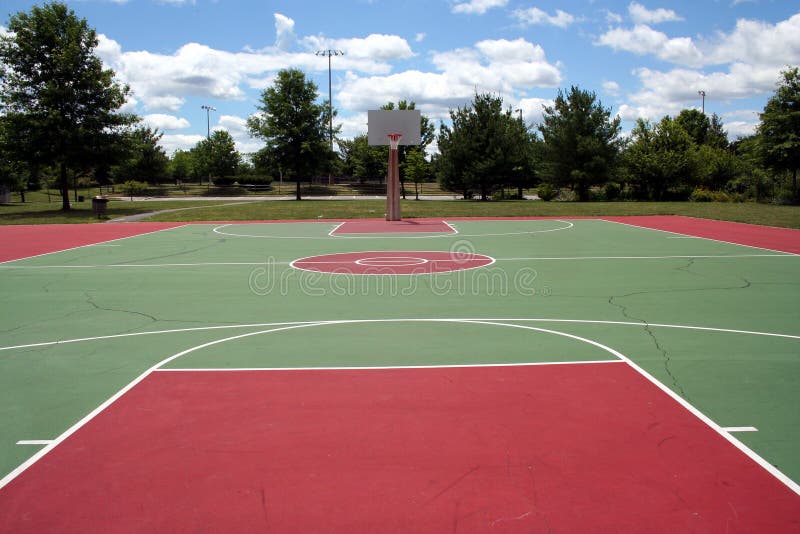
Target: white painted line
740, 429
2, 263
688, 406
333, 230
35, 442
389, 236
692, 256
464, 319
91, 415
452, 227
379, 367
260, 263
791, 484
137, 265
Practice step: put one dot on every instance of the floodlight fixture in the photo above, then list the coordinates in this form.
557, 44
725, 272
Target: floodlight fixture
330, 52
208, 109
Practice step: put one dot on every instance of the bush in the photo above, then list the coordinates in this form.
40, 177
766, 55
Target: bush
704, 195
547, 192
612, 191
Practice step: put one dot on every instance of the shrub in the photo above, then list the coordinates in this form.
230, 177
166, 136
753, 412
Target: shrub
547, 192
612, 191
704, 195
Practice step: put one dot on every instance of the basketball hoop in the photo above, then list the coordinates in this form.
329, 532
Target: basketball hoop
394, 140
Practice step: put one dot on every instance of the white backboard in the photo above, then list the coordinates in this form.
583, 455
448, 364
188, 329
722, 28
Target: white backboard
381, 123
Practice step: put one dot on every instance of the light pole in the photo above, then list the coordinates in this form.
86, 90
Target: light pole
208, 109
703, 100
330, 53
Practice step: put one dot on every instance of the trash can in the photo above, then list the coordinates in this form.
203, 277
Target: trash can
99, 205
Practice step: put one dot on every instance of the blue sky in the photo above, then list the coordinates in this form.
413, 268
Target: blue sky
644, 58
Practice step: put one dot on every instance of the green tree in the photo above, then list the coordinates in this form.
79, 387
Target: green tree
293, 125
362, 161
581, 141
416, 168
60, 103
218, 154
659, 157
146, 161
181, 166
480, 152
780, 127
702, 130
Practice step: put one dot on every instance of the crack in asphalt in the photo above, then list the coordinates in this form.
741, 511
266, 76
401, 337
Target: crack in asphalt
666, 359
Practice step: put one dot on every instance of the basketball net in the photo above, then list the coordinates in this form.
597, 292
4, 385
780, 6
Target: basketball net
394, 140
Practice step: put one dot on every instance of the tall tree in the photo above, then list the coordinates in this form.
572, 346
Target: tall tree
362, 161
659, 157
294, 125
217, 156
780, 127
146, 161
480, 152
58, 100
581, 140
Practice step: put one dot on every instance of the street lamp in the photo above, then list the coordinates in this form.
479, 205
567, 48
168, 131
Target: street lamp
703, 97
330, 53
208, 109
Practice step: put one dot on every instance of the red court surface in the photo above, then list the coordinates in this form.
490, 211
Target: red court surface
379, 226
589, 447
403, 262
24, 241
767, 237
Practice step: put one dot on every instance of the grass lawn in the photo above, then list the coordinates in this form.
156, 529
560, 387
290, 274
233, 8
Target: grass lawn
37, 210
765, 214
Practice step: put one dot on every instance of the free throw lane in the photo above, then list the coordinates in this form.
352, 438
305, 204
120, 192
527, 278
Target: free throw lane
575, 447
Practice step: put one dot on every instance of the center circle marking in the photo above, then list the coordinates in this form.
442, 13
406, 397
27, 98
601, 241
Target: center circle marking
393, 262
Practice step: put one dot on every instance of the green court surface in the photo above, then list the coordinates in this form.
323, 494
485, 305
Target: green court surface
716, 323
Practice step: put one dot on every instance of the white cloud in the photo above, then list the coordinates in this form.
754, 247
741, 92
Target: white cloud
500, 66
165, 81
534, 15
611, 87
477, 7
173, 142
643, 40
284, 32
641, 15
758, 42
533, 109
166, 122
420, 37
374, 47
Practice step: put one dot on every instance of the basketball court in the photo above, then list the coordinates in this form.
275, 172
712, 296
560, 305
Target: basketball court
621, 374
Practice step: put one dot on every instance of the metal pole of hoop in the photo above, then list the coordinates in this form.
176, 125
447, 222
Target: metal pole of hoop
393, 179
